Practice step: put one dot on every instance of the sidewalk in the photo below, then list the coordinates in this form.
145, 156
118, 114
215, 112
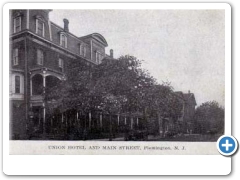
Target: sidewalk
107, 139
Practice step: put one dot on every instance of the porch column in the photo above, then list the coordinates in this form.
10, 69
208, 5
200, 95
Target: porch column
125, 120
44, 105
90, 119
137, 121
118, 118
62, 117
51, 123
31, 86
44, 119
39, 119
100, 120
131, 122
78, 119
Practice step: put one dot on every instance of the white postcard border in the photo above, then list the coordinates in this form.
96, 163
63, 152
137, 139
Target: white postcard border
114, 164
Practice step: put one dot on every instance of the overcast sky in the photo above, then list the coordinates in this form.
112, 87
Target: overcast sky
184, 47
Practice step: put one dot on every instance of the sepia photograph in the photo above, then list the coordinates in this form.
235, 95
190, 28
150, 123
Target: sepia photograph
117, 75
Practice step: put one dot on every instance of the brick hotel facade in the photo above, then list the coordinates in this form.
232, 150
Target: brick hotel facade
39, 50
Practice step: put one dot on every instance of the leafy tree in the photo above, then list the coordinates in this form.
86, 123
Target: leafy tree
162, 101
74, 92
114, 86
210, 118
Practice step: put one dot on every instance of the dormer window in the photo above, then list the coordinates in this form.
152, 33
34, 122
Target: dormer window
40, 29
17, 24
80, 49
63, 40
99, 57
83, 50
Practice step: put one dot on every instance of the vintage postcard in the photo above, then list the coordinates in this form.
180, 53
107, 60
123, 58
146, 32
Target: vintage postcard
118, 80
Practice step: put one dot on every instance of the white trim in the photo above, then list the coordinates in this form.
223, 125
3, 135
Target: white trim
43, 29
36, 26
27, 24
50, 30
31, 86
14, 25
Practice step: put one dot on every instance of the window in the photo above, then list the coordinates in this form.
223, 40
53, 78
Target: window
60, 64
99, 57
17, 84
84, 51
63, 40
17, 24
40, 27
80, 50
15, 56
40, 57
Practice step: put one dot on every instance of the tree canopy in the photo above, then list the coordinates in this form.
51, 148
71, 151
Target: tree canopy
210, 117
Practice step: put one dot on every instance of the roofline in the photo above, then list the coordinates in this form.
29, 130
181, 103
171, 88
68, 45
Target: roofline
92, 35
50, 42
66, 32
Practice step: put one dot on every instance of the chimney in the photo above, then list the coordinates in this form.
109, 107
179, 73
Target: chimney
189, 92
66, 22
111, 53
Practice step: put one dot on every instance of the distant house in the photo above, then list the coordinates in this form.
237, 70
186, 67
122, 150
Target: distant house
185, 121
178, 123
